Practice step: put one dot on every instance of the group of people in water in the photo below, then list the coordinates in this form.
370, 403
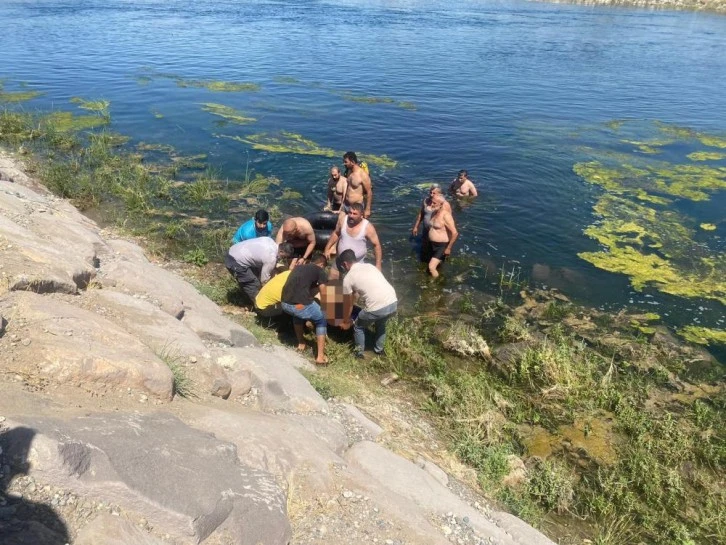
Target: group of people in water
302, 287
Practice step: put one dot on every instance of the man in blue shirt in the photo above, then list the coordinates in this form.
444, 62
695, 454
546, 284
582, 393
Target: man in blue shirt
260, 226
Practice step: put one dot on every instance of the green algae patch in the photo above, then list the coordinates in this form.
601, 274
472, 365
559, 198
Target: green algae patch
655, 248
706, 156
712, 141
157, 114
290, 142
290, 195
67, 122
362, 99
286, 80
650, 148
703, 335
655, 182
708, 226
101, 106
227, 113
17, 96
219, 86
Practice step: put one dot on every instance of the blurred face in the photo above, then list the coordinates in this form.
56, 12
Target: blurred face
354, 218
348, 163
461, 177
260, 226
335, 174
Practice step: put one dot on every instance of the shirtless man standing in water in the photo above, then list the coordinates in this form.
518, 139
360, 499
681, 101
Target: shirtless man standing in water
337, 187
462, 186
442, 234
359, 184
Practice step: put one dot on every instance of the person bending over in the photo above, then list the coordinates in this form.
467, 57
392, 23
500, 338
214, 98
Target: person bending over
298, 300
251, 263
299, 233
376, 298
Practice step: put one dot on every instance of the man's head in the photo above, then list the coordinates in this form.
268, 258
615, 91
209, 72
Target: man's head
289, 227
437, 200
261, 219
463, 175
350, 159
335, 173
435, 188
285, 251
345, 260
355, 214
319, 259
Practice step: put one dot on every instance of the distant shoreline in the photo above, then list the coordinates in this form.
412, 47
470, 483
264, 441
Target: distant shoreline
712, 6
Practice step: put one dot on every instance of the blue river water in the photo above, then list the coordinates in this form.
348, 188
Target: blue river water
500, 88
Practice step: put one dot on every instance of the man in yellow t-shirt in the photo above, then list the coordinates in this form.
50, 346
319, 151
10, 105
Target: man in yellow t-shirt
267, 302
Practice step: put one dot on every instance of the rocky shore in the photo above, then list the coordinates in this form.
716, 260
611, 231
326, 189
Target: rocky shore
716, 6
134, 411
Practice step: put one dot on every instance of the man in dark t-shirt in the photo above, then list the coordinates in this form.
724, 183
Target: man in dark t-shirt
298, 300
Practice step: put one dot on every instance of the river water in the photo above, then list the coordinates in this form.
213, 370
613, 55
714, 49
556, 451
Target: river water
509, 90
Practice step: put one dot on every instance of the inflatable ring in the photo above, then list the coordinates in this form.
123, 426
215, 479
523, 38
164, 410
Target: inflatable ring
323, 224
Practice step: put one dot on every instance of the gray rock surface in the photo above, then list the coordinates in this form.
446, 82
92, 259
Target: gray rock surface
366, 423
388, 472
72, 345
292, 447
132, 273
281, 386
107, 529
181, 479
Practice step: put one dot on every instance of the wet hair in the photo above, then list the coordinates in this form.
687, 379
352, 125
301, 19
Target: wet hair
334, 168
346, 256
351, 155
319, 259
464, 172
358, 206
261, 216
285, 250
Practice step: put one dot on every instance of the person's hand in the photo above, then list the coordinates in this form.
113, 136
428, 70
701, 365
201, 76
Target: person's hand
327, 253
367, 214
346, 325
414, 231
447, 252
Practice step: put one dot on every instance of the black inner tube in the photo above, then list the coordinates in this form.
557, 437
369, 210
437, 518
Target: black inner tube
323, 224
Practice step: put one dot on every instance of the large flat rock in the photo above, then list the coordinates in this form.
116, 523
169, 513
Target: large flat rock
185, 482
273, 372
46, 245
106, 529
50, 339
292, 447
129, 271
387, 475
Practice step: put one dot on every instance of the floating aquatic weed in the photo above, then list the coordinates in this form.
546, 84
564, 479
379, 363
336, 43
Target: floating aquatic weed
143, 80
287, 80
67, 122
703, 335
708, 226
655, 248
18, 96
290, 142
99, 106
157, 114
163, 148
378, 100
644, 147
219, 86
227, 113
712, 141
706, 156
289, 195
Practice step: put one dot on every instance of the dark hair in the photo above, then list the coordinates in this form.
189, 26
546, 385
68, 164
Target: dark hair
464, 172
357, 206
261, 216
319, 259
346, 256
351, 155
285, 250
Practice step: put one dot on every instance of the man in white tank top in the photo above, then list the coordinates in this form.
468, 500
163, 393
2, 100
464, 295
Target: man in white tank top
354, 233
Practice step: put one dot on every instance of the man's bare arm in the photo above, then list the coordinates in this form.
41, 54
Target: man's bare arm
334, 237
368, 193
451, 229
372, 237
